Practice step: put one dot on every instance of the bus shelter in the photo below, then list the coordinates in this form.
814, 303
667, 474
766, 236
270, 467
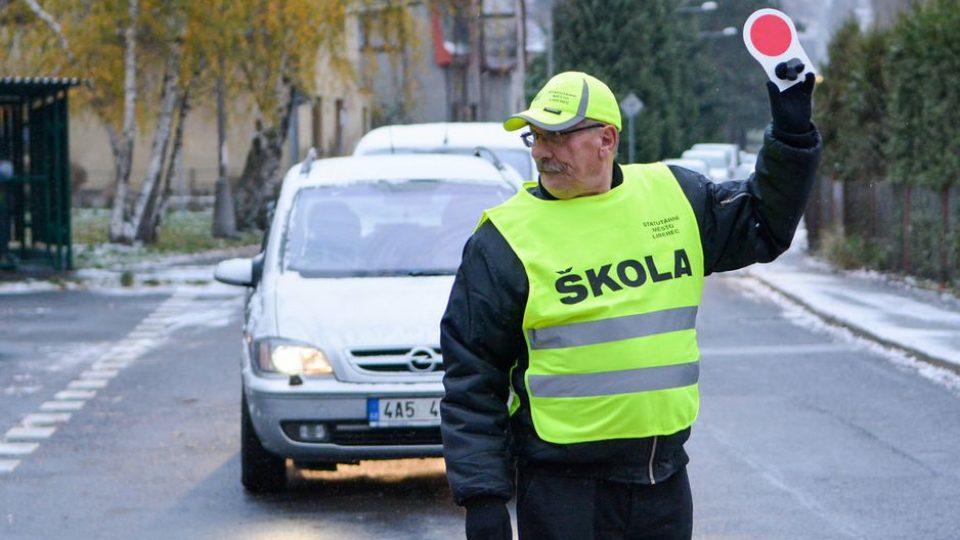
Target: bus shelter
35, 172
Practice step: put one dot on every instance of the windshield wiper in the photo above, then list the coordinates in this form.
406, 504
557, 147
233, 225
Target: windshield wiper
431, 272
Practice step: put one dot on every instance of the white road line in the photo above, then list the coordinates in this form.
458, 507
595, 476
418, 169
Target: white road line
29, 432
141, 334
99, 374
109, 365
144, 337
87, 384
120, 357
17, 448
132, 346
74, 394
62, 405
44, 419
152, 322
775, 350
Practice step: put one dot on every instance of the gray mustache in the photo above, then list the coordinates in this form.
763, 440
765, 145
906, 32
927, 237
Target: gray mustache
546, 166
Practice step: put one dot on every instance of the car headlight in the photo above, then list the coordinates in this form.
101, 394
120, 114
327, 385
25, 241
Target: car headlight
290, 358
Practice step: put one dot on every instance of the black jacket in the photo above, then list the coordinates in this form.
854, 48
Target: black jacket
740, 222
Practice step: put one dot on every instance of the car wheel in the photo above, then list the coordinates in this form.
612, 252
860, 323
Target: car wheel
260, 471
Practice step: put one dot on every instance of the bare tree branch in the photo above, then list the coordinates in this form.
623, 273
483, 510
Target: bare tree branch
51, 22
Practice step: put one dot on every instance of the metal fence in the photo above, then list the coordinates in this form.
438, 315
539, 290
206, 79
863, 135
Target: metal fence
892, 227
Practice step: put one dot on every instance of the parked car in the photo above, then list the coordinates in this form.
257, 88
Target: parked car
732, 151
695, 165
744, 170
716, 161
451, 138
341, 356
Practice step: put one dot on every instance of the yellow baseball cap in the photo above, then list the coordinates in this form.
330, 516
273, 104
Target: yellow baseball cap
567, 99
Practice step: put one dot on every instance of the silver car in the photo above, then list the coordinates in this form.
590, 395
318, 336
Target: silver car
341, 359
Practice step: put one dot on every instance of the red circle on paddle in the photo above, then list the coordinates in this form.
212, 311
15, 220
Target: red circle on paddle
771, 35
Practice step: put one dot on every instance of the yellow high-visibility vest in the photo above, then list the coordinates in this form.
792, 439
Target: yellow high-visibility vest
615, 283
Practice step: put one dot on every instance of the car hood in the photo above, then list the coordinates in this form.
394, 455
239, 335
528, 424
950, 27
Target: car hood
337, 314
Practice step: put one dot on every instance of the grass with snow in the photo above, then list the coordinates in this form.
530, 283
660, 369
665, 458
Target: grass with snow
181, 232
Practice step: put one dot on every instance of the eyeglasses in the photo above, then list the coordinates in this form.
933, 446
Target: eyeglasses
553, 138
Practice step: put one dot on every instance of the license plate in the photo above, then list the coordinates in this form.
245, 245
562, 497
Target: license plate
393, 412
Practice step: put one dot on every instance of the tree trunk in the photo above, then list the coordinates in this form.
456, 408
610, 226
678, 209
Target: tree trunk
138, 228
260, 181
944, 235
123, 146
224, 213
905, 255
158, 207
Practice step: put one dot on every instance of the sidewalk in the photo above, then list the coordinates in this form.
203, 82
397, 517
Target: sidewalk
149, 274
923, 323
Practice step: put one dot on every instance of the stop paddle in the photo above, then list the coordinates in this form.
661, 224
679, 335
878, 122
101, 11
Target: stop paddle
771, 38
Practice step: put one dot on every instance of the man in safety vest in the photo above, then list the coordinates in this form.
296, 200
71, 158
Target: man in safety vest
569, 341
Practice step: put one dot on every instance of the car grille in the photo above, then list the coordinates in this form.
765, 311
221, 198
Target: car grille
363, 435
397, 360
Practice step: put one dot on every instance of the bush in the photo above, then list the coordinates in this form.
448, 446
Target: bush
853, 251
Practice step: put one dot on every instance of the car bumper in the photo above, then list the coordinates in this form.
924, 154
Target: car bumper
342, 408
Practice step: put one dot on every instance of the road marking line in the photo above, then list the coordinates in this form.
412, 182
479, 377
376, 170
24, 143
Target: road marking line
88, 384
17, 448
99, 374
109, 365
149, 333
75, 394
116, 357
774, 351
44, 419
30, 432
62, 405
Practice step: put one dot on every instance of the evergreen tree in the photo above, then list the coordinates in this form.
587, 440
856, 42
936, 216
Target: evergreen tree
739, 89
835, 115
642, 48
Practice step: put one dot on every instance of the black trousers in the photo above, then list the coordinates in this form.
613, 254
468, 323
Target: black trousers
552, 507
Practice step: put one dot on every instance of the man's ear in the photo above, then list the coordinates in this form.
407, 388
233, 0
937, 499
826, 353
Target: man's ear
609, 140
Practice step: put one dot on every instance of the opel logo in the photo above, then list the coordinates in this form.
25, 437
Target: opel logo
422, 359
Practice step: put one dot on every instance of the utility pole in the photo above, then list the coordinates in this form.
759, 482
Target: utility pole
517, 102
550, 66
474, 72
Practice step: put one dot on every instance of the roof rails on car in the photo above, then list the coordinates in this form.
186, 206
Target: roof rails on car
479, 150
308, 161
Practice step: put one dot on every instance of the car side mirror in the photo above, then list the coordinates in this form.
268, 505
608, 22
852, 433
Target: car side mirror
235, 272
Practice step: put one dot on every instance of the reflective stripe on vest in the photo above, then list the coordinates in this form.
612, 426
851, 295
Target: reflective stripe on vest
615, 284
616, 382
614, 329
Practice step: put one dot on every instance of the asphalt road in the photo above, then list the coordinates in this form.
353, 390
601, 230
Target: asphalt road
801, 434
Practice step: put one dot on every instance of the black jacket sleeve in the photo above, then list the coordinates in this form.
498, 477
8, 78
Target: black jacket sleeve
480, 337
754, 220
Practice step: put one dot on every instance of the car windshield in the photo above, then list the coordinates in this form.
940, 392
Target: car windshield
385, 228
518, 159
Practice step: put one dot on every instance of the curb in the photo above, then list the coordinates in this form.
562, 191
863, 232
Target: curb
858, 330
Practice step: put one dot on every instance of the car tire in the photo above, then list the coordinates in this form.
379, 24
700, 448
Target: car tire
260, 471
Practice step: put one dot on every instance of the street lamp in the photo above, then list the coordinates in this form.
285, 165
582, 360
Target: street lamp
705, 7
